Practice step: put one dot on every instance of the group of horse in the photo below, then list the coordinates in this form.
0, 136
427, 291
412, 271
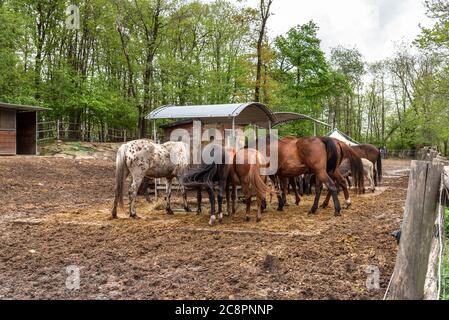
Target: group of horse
329, 160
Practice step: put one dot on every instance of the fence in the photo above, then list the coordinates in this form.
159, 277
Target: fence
60, 130
401, 154
418, 270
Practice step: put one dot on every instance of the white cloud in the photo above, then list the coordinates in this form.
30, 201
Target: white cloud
373, 26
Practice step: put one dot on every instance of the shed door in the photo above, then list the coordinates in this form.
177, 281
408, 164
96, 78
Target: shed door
7, 131
26, 133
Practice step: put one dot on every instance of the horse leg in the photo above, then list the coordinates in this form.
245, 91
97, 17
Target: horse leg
326, 201
371, 182
228, 199
295, 190
318, 189
210, 192
263, 202
280, 198
247, 193
184, 199
168, 196
234, 198
375, 176
132, 192
348, 181
342, 183
221, 190
260, 201
284, 185
199, 199
301, 185
324, 178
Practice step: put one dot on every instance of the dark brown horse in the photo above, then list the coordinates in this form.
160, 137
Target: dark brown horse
370, 152
321, 156
206, 176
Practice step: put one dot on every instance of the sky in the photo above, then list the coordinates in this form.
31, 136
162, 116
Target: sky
372, 26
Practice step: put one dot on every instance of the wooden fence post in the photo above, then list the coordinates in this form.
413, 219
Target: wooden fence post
418, 229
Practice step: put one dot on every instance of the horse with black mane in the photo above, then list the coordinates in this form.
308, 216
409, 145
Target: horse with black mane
206, 175
320, 156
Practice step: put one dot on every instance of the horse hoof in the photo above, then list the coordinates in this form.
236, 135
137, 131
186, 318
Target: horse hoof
324, 206
280, 209
134, 216
212, 221
170, 212
258, 219
188, 209
312, 211
337, 213
247, 219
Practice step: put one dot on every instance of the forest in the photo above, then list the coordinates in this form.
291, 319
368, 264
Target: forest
128, 57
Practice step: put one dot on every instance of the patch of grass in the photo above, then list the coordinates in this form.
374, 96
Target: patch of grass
77, 146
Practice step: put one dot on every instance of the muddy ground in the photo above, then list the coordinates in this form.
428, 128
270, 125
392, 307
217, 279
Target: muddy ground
55, 213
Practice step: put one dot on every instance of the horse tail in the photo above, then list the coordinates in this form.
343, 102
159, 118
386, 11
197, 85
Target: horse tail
200, 176
255, 181
332, 155
379, 167
356, 166
121, 172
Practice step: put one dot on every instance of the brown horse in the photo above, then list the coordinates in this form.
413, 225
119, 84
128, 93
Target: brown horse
320, 156
370, 152
247, 166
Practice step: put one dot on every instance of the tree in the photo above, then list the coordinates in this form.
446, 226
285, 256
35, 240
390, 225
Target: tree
264, 12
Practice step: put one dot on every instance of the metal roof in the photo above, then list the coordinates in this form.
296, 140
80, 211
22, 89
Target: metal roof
246, 113
21, 107
284, 117
337, 134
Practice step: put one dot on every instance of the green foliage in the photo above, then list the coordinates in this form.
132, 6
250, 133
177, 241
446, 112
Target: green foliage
445, 284
129, 57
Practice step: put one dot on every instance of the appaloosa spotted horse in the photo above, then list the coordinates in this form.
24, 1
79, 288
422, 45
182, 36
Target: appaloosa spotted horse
144, 158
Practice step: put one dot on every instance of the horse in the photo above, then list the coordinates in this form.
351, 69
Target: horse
207, 175
247, 165
368, 171
373, 154
321, 156
144, 158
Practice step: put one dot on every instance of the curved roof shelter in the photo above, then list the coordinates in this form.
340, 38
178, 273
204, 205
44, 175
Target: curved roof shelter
240, 114
284, 117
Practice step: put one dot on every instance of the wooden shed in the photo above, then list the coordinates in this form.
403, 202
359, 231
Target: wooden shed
18, 129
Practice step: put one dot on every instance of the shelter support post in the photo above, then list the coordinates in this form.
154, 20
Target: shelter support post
155, 141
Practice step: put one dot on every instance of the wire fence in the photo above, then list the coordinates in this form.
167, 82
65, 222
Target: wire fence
60, 130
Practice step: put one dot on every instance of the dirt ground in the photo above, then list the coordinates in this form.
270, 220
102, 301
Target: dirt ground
55, 213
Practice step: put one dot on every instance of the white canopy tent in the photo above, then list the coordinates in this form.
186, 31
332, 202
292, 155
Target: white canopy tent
337, 134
